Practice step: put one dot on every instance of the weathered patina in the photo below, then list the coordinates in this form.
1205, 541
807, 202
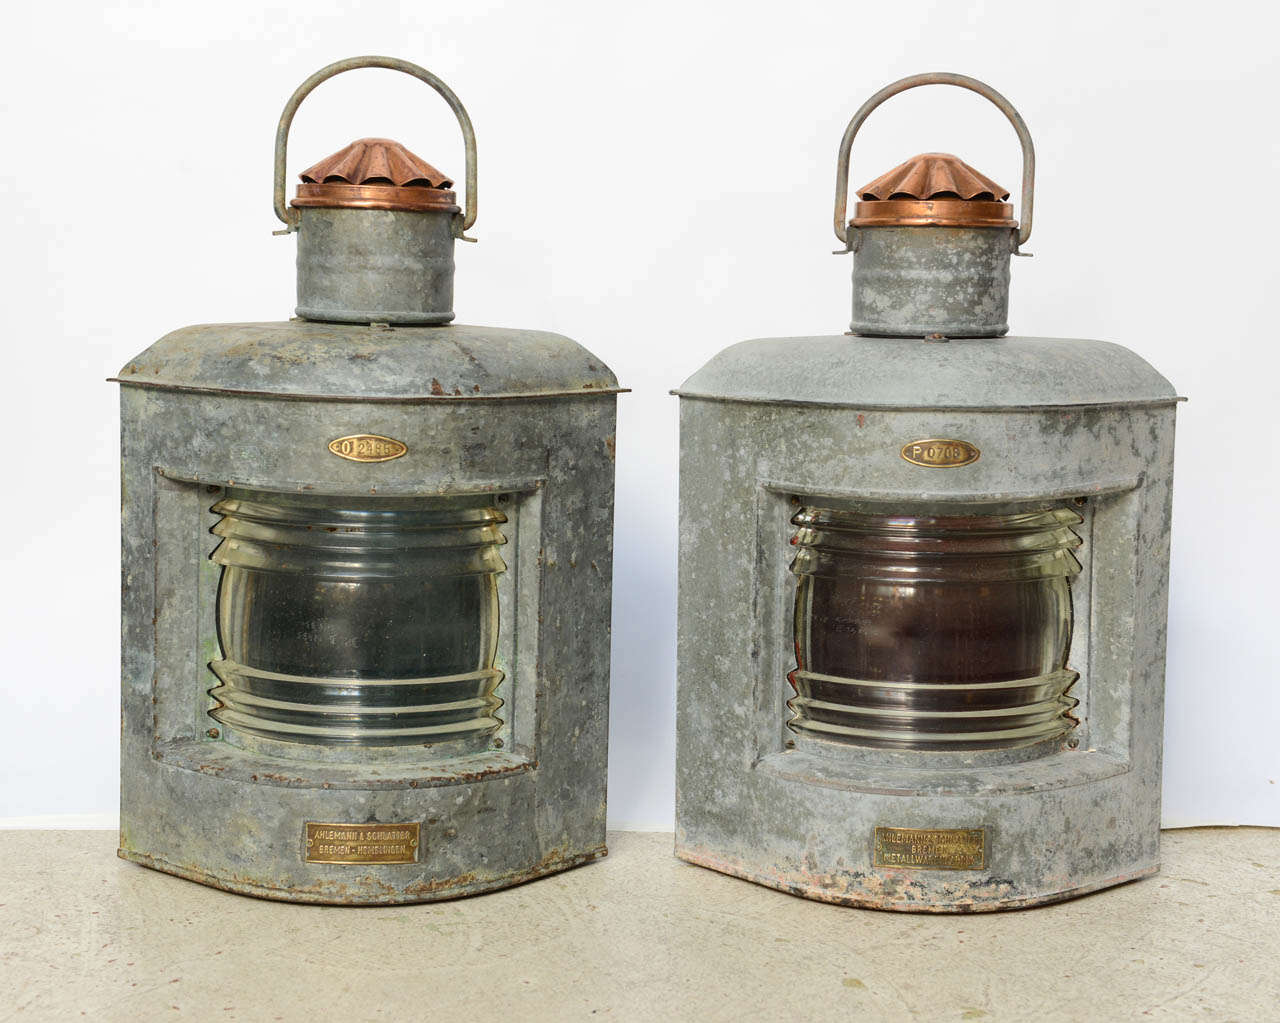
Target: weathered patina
936, 428
514, 427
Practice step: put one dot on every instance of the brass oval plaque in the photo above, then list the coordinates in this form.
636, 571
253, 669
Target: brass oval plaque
940, 452
367, 447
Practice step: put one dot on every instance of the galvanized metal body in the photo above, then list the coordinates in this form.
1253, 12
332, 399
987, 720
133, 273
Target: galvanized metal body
524, 417
924, 280
375, 266
771, 425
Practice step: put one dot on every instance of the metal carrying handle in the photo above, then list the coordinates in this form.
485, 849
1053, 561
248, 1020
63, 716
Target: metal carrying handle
938, 78
289, 216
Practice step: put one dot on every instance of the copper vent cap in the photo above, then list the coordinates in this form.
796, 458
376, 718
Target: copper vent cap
933, 190
376, 174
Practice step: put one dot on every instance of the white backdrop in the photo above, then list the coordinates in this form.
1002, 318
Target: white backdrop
655, 181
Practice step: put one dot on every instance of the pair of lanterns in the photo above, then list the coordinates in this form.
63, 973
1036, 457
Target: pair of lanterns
367, 554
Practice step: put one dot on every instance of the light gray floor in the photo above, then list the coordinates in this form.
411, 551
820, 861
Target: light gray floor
637, 936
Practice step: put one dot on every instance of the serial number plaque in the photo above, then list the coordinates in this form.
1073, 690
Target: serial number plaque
361, 843
368, 447
930, 848
940, 452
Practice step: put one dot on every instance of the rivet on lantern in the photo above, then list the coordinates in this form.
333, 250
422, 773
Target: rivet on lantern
332, 530
924, 573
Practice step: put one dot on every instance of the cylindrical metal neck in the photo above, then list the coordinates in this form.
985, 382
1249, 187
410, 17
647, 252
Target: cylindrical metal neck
914, 281
375, 265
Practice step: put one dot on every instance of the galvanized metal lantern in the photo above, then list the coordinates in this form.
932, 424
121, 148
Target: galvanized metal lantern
923, 578
366, 568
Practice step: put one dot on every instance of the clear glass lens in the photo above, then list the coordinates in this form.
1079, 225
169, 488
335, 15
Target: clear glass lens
361, 622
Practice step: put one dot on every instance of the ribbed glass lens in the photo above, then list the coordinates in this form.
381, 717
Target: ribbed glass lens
360, 622
933, 632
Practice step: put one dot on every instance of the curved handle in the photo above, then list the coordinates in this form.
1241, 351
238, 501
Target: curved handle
289, 216
938, 78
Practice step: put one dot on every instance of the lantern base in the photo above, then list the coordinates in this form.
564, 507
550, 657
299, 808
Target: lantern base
339, 891
877, 893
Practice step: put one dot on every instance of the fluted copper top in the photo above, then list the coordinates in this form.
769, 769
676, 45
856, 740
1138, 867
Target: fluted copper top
378, 174
933, 189
933, 176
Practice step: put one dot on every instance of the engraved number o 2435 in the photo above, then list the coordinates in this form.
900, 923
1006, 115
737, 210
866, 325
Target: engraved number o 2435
367, 447
940, 452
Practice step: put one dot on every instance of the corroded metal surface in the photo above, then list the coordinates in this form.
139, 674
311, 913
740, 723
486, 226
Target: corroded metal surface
949, 282
907, 373
367, 889
337, 362
310, 521
796, 787
392, 266
903, 894
765, 431
534, 801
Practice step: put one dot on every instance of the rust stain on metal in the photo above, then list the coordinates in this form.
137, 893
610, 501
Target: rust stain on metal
897, 893
374, 399
368, 889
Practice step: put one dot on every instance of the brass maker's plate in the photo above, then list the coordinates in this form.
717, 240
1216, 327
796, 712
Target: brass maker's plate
368, 447
361, 843
930, 848
940, 452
